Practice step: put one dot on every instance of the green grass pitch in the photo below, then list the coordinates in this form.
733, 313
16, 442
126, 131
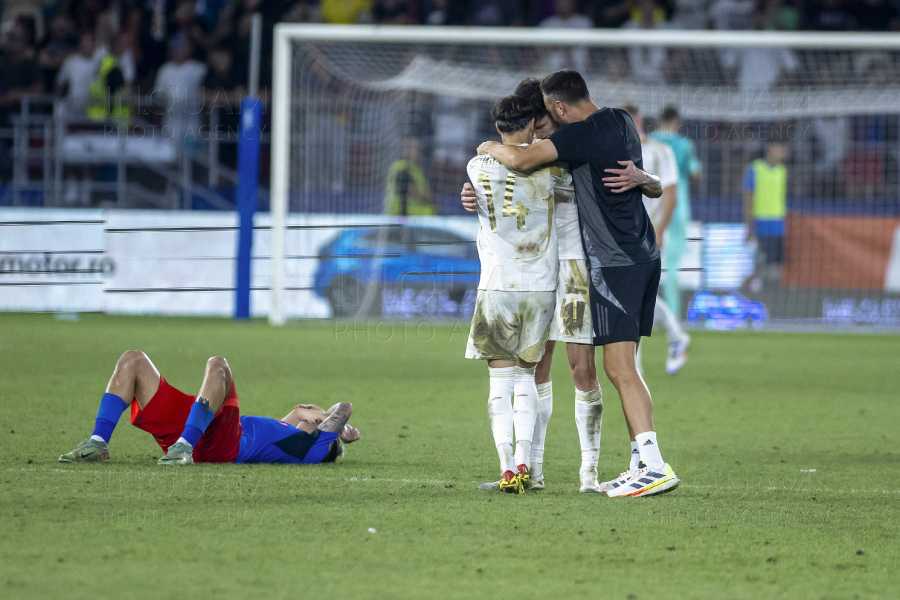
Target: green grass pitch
786, 444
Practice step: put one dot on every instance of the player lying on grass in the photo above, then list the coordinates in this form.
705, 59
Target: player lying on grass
517, 290
572, 319
208, 427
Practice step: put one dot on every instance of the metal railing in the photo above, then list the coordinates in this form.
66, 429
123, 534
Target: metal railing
115, 165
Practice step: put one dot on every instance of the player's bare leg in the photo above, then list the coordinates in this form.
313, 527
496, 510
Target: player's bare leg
588, 412
654, 476
634, 463
217, 380
134, 377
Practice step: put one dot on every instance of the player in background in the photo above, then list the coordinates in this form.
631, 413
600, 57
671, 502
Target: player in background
208, 427
517, 291
602, 147
659, 159
689, 168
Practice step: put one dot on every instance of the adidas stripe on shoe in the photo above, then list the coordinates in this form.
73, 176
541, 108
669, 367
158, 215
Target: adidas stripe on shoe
647, 482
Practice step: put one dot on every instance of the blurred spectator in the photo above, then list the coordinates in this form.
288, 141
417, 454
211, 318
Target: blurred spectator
115, 73
647, 61
190, 25
60, 44
496, 13
76, 76
156, 25
390, 12
304, 11
455, 136
19, 71
220, 85
208, 12
179, 81
690, 14
408, 193
757, 69
236, 27
779, 16
221, 88
436, 13
27, 12
567, 18
610, 13
831, 15
732, 14
345, 12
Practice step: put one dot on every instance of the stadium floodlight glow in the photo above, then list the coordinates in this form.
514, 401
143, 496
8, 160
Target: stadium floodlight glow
347, 98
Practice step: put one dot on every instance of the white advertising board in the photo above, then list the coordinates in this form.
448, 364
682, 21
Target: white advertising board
183, 262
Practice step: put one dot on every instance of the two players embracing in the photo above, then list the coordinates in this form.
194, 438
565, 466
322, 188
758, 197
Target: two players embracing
529, 291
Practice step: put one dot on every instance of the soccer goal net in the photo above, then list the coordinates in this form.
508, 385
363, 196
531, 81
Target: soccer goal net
795, 135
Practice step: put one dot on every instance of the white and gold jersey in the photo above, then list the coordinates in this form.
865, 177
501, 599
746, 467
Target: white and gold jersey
568, 230
517, 242
658, 160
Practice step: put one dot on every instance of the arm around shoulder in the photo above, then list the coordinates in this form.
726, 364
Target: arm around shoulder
525, 158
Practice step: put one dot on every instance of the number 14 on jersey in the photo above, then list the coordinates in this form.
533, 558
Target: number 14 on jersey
520, 210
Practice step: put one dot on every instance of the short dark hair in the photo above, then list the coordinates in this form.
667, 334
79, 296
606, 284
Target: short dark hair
512, 113
669, 114
632, 110
530, 89
335, 450
566, 85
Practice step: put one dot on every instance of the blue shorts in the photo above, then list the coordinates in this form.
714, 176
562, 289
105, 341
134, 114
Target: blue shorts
266, 440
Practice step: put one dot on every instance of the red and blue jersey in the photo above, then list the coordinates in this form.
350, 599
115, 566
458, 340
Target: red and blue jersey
266, 440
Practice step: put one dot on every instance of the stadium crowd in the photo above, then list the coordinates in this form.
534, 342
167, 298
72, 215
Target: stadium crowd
191, 55
63, 47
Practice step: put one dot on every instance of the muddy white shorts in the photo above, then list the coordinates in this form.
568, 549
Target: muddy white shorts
572, 317
510, 325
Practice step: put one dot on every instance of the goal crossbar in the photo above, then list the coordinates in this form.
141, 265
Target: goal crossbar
285, 34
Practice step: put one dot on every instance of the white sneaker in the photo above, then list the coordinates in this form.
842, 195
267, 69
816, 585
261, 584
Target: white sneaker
647, 482
589, 483
677, 354
612, 484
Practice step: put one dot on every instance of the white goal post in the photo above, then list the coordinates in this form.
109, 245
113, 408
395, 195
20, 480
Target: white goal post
286, 91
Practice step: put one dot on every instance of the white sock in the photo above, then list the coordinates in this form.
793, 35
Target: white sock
97, 438
664, 315
544, 410
635, 456
588, 420
505, 452
501, 413
649, 449
184, 441
524, 413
